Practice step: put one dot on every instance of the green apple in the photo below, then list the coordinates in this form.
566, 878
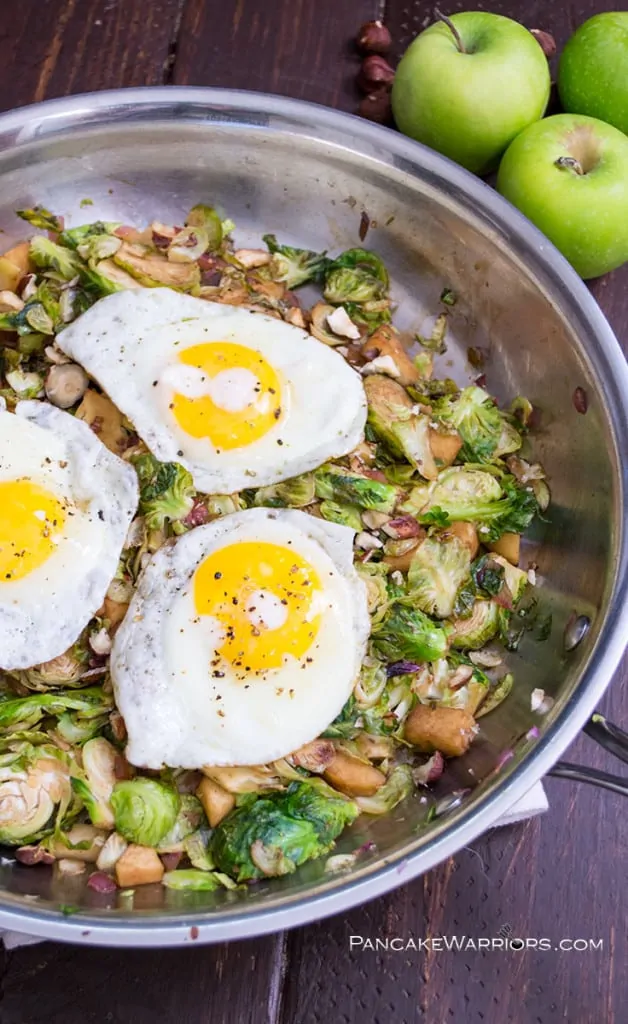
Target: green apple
469, 91
593, 71
569, 175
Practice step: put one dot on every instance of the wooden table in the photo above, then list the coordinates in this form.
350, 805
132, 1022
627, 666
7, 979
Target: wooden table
560, 877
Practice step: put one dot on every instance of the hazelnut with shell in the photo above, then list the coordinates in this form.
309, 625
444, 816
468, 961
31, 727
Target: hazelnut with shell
373, 37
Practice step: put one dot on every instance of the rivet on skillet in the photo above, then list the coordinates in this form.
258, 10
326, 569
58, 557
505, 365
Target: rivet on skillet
450, 803
576, 630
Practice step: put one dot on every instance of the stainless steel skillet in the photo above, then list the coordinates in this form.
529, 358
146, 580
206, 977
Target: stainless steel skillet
307, 174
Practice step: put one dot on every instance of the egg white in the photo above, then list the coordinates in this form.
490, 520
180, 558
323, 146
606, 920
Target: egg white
176, 713
44, 612
130, 343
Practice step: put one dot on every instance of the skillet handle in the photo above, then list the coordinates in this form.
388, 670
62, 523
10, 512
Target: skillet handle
608, 735
611, 738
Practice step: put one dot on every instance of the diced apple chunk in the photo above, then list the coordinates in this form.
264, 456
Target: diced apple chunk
19, 255
352, 776
444, 447
508, 546
216, 801
138, 865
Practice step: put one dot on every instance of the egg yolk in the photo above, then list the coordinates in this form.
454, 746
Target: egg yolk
243, 399
266, 600
31, 519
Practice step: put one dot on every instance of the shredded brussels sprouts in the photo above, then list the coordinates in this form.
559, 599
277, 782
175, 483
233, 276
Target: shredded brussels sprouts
144, 810
438, 495
166, 492
294, 267
486, 432
273, 835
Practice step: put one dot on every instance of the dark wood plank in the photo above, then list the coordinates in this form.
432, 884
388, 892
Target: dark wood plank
240, 983
54, 47
298, 48
612, 294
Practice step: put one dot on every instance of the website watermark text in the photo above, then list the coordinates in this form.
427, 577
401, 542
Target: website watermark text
467, 943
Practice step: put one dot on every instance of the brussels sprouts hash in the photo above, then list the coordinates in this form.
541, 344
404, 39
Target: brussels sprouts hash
438, 496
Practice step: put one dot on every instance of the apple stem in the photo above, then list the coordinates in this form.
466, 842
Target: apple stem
452, 28
571, 163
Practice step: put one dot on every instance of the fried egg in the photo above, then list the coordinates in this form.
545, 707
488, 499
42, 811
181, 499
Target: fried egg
239, 398
66, 503
242, 641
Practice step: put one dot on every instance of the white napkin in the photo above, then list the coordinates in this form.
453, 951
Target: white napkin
534, 802
531, 803
13, 939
